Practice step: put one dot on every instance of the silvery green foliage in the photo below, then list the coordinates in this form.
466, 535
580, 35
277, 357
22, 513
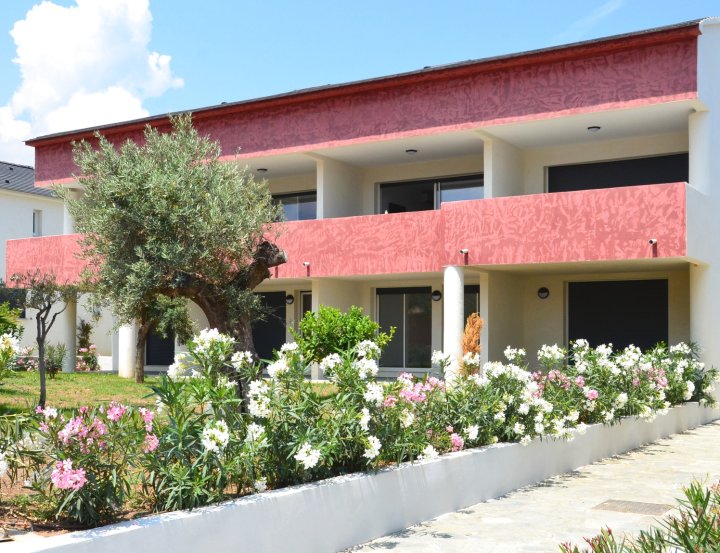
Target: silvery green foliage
168, 219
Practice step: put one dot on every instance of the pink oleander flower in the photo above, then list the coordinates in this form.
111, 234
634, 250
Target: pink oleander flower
84, 409
450, 429
82, 350
151, 443
43, 427
73, 428
147, 417
580, 381
65, 477
457, 442
93, 347
115, 411
636, 382
592, 395
390, 401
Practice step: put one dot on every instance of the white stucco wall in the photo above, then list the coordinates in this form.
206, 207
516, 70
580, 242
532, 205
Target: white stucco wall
704, 196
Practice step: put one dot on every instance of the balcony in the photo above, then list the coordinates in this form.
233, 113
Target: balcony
591, 225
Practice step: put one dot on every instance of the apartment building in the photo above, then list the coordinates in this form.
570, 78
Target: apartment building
561, 193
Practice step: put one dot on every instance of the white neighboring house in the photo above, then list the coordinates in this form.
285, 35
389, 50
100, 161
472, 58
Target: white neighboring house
26, 212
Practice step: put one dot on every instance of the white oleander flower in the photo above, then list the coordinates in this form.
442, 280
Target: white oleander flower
368, 349
208, 337
621, 400
428, 453
3, 464
255, 433
499, 417
364, 418
365, 366
519, 428
215, 436
524, 408
260, 485
539, 428
407, 417
373, 449
241, 359
278, 368
472, 432
439, 359
289, 347
307, 456
525, 440
329, 362
551, 354
374, 393
689, 389
581, 428
514, 355
179, 369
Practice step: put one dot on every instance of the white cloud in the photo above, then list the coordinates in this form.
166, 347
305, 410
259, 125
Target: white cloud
83, 65
580, 28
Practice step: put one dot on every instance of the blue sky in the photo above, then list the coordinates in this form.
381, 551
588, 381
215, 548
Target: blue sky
85, 62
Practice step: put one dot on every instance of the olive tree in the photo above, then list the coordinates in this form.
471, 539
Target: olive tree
167, 218
49, 299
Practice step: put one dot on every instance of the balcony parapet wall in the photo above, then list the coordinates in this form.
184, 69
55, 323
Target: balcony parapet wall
591, 225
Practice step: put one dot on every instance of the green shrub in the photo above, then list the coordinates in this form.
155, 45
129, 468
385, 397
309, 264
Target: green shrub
332, 331
9, 320
54, 357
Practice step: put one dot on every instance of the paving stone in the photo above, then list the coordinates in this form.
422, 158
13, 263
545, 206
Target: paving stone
540, 517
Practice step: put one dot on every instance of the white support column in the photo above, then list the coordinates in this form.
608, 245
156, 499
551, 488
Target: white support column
68, 220
127, 339
69, 324
453, 310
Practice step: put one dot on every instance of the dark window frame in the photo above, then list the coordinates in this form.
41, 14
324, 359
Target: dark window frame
437, 183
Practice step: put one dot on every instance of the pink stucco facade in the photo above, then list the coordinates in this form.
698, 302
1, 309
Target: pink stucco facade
593, 225
639, 70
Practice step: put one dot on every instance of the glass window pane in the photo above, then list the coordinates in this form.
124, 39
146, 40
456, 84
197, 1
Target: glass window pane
471, 304
290, 208
471, 189
307, 207
418, 330
410, 196
391, 312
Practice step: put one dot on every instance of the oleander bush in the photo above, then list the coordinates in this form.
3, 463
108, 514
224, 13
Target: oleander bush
209, 444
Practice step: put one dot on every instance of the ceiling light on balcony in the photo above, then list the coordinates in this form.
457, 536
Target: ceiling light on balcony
262, 170
594, 128
411, 151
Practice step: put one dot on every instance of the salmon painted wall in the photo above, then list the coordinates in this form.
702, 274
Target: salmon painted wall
49, 254
482, 94
590, 225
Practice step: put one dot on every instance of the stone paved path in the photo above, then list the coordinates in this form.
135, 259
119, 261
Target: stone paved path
539, 517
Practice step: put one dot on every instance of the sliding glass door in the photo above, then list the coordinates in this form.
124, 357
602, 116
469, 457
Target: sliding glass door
409, 310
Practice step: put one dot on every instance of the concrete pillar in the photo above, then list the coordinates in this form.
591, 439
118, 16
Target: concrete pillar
127, 339
69, 325
453, 310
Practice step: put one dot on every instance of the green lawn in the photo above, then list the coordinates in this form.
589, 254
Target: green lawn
20, 391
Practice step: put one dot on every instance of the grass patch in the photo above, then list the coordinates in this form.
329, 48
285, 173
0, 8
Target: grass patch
19, 392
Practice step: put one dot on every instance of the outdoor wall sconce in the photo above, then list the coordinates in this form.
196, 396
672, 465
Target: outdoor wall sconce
306, 264
594, 128
436, 295
464, 252
262, 170
411, 151
289, 299
543, 293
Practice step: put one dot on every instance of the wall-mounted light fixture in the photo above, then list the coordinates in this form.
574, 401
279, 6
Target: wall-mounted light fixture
262, 170
411, 151
436, 295
306, 264
543, 293
289, 299
594, 128
464, 251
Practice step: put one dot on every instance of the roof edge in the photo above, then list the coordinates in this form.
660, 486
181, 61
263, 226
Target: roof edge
621, 41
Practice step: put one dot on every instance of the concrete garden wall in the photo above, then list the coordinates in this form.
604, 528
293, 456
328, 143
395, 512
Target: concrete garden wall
334, 514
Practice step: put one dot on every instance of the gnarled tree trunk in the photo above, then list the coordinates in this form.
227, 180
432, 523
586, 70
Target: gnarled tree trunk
140, 343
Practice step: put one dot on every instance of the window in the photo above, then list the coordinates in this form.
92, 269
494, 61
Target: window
622, 172
298, 207
423, 195
305, 303
409, 310
621, 312
37, 222
472, 300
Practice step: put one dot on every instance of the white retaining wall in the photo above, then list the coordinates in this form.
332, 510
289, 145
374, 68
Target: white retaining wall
334, 514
